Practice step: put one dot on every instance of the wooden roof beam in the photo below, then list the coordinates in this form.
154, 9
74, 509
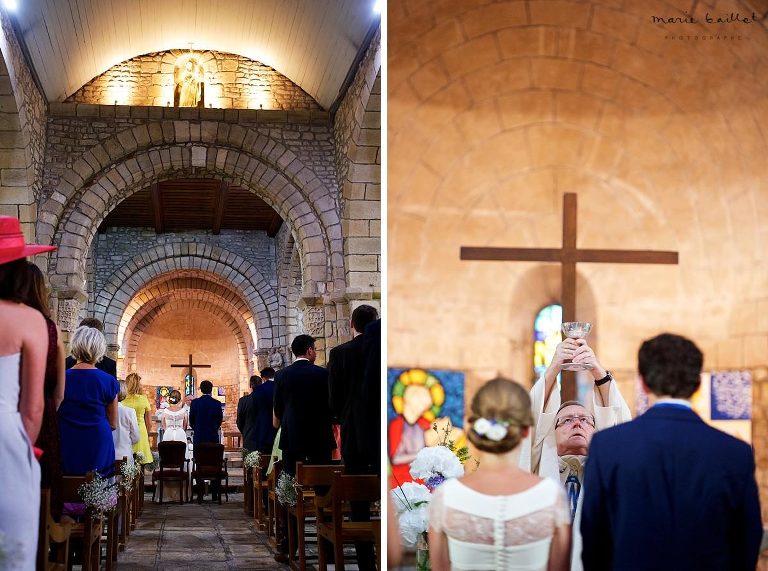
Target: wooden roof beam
274, 225
157, 207
218, 216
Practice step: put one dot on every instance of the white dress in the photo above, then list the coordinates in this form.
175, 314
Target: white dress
499, 532
174, 427
19, 473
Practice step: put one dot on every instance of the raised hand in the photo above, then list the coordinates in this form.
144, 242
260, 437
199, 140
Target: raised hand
584, 354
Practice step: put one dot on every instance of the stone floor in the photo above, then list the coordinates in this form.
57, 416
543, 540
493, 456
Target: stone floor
193, 537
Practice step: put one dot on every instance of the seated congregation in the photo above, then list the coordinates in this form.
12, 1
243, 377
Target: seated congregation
79, 453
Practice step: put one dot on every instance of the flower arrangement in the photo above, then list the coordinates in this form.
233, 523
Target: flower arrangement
98, 494
252, 459
286, 489
411, 501
129, 471
139, 456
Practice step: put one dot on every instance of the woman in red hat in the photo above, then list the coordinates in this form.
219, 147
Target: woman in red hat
23, 350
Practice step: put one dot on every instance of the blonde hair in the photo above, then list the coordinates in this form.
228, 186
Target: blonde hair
123, 392
88, 345
506, 402
133, 382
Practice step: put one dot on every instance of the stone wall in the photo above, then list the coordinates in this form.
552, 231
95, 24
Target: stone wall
231, 82
357, 130
119, 245
22, 133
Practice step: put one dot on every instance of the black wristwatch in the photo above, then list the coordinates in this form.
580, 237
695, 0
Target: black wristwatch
607, 378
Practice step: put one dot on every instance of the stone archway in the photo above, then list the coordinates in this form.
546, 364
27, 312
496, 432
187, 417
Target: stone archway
113, 299
143, 155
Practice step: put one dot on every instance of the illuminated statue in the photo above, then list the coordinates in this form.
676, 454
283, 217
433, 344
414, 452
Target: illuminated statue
190, 88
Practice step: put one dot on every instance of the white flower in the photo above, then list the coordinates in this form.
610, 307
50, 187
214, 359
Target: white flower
413, 523
482, 426
491, 429
409, 496
496, 432
436, 461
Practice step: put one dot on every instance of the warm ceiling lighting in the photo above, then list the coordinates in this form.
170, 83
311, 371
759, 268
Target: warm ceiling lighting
11, 5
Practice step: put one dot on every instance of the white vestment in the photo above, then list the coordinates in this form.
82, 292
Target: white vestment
539, 449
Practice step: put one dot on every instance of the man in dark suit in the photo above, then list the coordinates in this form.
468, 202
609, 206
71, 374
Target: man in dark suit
346, 371
346, 366
106, 364
667, 491
205, 416
301, 409
262, 400
246, 418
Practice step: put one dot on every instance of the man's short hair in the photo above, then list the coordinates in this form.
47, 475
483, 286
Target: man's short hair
362, 316
569, 403
267, 373
206, 387
301, 345
670, 365
254, 381
92, 322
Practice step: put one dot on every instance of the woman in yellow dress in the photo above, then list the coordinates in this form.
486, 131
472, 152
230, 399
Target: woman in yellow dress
138, 401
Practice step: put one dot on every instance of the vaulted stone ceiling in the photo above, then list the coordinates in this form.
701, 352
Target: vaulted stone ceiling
312, 42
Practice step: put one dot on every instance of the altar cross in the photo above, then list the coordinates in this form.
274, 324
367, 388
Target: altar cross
568, 256
189, 366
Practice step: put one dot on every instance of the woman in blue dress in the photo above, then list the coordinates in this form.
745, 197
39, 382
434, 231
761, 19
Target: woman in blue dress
88, 413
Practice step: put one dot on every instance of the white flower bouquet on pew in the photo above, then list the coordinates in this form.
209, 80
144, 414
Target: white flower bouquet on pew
129, 471
99, 495
252, 460
286, 489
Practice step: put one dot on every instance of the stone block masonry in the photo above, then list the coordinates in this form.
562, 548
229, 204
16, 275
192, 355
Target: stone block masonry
231, 82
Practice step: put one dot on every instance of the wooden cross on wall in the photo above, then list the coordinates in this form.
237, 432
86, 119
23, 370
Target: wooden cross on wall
189, 366
568, 256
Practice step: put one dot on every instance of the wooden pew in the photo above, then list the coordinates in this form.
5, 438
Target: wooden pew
308, 477
336, 530
51, 532
260, 484
89, 529
274, 508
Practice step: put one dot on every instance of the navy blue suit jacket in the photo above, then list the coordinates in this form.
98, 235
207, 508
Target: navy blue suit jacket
301, 405
205, 417
667, 491
262, 399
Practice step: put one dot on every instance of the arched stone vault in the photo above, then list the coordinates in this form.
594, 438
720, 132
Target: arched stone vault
138, 157
196, 284
116, 295
176, 302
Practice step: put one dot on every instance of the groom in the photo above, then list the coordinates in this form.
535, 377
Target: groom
205, 416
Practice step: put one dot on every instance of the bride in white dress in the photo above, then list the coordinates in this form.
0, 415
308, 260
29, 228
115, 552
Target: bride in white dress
175, 421
499, 517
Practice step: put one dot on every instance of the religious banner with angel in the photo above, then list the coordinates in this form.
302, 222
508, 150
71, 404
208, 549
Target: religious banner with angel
421, 399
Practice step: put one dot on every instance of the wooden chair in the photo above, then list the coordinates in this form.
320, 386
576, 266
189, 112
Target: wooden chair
248, 507
209, 464
88, 530
274, 509
337, 531
307, 478
260, 486
233, 441
152, 440
51, 533
173, 468
110, 531
126, 507
139, 491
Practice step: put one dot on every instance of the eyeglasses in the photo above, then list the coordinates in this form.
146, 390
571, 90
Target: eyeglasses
569, 420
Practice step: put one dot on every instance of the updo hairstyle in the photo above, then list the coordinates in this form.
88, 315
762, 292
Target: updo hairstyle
174, 397
506, 402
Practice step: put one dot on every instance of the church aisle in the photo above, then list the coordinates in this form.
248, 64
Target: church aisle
195, 537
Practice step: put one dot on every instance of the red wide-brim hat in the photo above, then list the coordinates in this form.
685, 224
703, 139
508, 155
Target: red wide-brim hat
12, 244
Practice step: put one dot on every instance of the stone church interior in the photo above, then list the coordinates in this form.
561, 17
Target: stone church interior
526, 140
209, 173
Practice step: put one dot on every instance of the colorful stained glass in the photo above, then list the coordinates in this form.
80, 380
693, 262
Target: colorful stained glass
546, 331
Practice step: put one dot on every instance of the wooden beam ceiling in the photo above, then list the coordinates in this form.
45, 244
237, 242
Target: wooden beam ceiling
194, 204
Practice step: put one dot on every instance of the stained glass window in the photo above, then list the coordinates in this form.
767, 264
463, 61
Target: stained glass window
546, 331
